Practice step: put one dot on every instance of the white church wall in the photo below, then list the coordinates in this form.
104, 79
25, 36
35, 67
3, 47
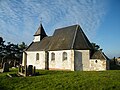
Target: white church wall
31, 59
24, 59
78, 61
97, 65
59, 63
36, 39
82, 58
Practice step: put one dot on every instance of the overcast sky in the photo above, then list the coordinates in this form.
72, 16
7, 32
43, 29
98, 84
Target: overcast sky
99, 19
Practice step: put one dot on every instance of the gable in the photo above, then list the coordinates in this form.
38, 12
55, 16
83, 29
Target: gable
62, 38
81, 41
67, 38
98, 55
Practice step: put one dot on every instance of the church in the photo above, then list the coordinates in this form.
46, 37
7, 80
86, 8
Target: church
67, 49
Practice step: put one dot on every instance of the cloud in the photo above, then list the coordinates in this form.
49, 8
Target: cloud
19, 19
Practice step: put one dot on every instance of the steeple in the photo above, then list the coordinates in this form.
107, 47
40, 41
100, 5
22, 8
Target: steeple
39, 34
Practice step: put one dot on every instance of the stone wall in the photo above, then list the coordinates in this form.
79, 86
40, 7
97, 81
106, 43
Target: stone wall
82, 60
24, 59
59, 63
78, 65
97, 65
31, 59
76, 60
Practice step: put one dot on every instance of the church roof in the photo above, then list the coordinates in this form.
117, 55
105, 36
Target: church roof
67, 38
99, 55
40, 31
71, 37
39, 46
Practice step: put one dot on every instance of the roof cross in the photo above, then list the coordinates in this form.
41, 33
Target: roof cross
41, 20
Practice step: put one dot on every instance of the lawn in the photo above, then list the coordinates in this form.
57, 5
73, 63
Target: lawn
63, 80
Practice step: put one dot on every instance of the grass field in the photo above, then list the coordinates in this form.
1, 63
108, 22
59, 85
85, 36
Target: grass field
63, 80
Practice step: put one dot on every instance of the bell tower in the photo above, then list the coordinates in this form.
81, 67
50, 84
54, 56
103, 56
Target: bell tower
39, 34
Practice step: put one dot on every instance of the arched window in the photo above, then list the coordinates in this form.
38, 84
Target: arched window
96, 61
64, 56
37, 56
52, 56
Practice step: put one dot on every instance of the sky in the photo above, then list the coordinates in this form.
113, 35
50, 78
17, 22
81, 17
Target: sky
99, 19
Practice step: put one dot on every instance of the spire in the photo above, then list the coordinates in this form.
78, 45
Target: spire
40, 33
40, 30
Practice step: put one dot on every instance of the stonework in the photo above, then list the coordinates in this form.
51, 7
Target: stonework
31, 59
82, 59
58, 63
97, 64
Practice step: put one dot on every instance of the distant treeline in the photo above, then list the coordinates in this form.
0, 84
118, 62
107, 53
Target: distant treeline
10, 51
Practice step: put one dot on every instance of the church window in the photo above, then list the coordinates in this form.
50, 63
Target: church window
52, 56
37, 56
96, 61
64, 56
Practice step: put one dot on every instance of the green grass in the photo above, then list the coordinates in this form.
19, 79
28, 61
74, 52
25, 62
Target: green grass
63, 80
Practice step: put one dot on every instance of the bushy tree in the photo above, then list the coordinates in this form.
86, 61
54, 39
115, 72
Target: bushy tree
2, 47
95, 46
11, 50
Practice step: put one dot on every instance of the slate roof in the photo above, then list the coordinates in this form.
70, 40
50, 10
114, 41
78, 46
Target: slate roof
67, 38
39, 46
71, 37
41, 32
99, 55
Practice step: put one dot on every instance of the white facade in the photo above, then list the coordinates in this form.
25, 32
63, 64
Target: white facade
36, 39
32, 60
97, 64
59, 63
82, 60
77, 60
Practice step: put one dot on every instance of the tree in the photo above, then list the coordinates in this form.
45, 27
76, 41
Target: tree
16, 50
96, 47
22, 46
1, 41
11, 51
2, 46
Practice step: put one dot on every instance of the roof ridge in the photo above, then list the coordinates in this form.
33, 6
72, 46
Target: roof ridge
66, 26
29, 46
86, 39
103, 55
74, 36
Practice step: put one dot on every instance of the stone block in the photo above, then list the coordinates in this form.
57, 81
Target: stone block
30, 70
5, 67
